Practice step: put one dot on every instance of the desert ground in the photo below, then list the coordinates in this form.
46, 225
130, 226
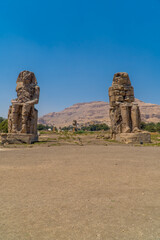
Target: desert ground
80, 191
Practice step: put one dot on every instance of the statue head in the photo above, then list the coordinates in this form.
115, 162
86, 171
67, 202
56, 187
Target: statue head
26, 85
121, 78
121, 90
26, 78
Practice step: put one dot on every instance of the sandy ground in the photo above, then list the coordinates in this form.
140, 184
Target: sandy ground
80, 193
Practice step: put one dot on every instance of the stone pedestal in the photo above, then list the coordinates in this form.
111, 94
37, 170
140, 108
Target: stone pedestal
134, 138
17, 138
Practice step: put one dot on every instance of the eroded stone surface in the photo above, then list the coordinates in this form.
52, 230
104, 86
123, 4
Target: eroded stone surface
124, 112
22, 116
139, 137
16, 138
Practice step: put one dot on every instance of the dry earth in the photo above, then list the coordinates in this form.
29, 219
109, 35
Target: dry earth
73, 192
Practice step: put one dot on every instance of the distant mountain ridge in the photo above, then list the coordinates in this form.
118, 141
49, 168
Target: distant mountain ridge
97, 111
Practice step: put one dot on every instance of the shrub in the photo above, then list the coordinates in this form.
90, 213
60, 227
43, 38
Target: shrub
4, 126
1, 119
41, 127
150, 127
143, 125
158, 127
96, 127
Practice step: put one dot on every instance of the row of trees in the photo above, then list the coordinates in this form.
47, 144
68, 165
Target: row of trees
42, 127
96, 127
92, 127
150, 127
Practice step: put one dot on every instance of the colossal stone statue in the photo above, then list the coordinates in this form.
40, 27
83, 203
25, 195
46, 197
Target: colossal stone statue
22, 116
124, 112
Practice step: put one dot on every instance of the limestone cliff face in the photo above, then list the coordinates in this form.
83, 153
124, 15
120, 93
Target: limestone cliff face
96, 112
149, 112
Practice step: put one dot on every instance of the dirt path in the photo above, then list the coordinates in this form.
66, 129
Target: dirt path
80, 193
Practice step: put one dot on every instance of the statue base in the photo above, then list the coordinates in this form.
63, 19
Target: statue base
134, 138
17, 138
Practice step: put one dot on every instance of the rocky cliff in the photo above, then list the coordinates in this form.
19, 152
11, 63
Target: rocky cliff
96, 112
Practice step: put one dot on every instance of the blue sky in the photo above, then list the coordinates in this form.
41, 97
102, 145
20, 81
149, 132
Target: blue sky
75, 47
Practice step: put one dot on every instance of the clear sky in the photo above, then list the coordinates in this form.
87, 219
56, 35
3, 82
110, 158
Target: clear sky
75, 47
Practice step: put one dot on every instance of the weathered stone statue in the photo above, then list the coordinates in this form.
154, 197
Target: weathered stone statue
74, 125
124, 112
22, 116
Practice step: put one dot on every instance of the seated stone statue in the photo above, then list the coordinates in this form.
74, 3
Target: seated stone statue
22, 116
124, 112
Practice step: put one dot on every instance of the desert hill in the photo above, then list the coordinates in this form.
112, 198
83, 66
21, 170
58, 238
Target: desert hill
96, 112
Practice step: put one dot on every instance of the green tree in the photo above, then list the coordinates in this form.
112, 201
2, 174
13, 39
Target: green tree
150, 127
143, 125
41, 127
158, 127
1, 119
4, 126
67, 128
96, 127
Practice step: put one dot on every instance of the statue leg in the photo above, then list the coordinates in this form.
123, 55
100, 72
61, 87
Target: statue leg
125, 113
35, 121
14, 117
136, 119
111, 114
25, 112
33, 125
116, 120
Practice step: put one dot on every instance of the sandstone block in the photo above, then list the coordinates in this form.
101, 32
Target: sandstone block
134, 138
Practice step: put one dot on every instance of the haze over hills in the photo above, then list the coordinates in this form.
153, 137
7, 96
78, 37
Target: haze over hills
97, 112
